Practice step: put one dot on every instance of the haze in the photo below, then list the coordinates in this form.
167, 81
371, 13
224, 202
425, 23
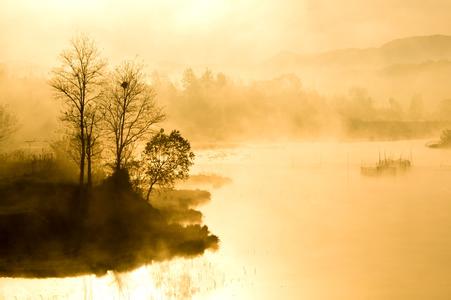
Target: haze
219, 34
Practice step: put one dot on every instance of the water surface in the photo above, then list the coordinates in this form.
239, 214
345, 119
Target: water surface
299, 221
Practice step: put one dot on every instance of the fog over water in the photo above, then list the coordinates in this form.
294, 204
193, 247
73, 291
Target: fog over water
314, 228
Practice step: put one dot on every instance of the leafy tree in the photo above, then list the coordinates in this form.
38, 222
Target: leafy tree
77, 83
166, 158
130, 111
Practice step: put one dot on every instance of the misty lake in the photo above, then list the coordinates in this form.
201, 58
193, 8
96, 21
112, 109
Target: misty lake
299, 221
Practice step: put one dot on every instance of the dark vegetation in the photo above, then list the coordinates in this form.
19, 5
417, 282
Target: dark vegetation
444, 142
46, 229
79, 207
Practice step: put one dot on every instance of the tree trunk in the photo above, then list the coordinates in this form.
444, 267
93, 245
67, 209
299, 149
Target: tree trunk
120, 139
82, 164
89, 157
118, 162
148, 193
89, 146
82, 151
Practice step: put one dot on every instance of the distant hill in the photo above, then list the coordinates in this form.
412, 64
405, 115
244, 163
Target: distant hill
417, 49
401, 51
402, 68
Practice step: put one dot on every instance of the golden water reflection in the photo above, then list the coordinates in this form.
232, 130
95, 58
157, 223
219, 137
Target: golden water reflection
299, 221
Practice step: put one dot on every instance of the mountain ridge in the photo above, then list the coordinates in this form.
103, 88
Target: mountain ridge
414, 49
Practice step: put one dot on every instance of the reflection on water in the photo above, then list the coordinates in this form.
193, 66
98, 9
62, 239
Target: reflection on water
298, 221
178, 279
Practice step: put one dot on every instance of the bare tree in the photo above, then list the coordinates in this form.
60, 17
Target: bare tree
77, 83
130, 111
166, 158
8, 123
93, 119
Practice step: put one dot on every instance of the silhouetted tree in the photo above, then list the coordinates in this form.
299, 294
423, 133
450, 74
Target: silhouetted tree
77, 83
8, 123
130, 111
166, 158
93, 133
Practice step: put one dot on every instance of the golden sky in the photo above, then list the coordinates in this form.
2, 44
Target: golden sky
216, 32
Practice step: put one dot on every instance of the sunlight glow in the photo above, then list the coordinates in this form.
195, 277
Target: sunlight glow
196, 13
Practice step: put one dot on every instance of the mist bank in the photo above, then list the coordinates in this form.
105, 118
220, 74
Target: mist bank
211, 107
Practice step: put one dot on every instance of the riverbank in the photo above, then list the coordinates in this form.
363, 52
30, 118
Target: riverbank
53, 230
